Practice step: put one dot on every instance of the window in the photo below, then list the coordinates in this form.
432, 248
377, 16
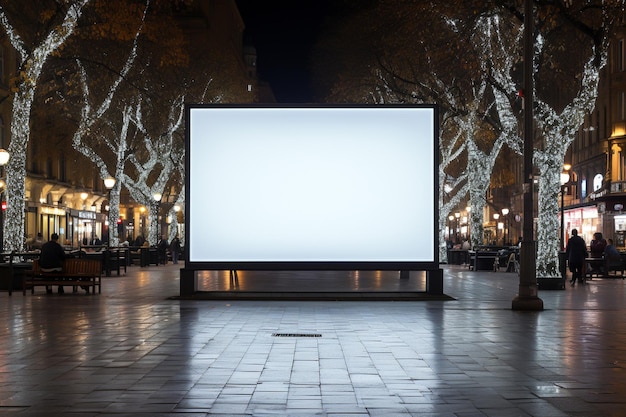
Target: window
597, 182
49, 167
61, 175
2, 73
583, 188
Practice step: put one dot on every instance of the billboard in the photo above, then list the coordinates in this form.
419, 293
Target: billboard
311, 187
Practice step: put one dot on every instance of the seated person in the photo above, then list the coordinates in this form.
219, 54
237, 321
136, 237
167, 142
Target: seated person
596, 247
610, 252
613, 257
51, 257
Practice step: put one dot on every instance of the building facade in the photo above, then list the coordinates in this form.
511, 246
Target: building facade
595, 196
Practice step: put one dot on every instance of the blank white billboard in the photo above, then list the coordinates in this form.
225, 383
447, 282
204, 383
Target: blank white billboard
311, 186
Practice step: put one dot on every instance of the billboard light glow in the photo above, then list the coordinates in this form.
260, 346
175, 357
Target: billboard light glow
311, 187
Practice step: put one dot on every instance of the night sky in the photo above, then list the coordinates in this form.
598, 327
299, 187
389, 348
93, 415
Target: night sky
283, 33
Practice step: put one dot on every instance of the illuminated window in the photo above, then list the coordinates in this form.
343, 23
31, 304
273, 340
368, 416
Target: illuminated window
597, 182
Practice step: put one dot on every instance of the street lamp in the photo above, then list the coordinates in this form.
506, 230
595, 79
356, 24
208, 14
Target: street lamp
109, 183
142, 221
157, 201
505, 212
496, 216
4, 159
564, 182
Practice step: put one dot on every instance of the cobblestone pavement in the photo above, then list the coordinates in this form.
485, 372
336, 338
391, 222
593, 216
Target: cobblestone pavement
134, 351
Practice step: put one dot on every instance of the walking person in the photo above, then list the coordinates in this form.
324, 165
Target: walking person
576, 252
162, 251
175, 249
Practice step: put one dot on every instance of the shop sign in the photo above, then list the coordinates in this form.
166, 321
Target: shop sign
53, 210
83, 214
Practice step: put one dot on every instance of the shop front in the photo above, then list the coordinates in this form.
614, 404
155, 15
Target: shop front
53, 220
585, 219
85, 224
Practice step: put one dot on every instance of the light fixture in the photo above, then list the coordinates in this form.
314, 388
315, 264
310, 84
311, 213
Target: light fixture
505, 211
4, 157
109, 183
84, 196
157, 196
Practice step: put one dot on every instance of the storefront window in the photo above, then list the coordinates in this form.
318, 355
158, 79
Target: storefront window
584, 219
620, 230
597, 182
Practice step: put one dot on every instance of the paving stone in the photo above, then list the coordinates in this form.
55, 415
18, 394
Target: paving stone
133, 351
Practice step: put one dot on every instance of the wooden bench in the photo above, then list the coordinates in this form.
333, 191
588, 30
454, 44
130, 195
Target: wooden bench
76, 272
483, 260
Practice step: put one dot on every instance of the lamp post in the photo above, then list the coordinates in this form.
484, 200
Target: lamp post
109, 183
457, 216
157, 201
142, 221
4, 159
469, 224
564, 182
496, 216
83, 197
505, 212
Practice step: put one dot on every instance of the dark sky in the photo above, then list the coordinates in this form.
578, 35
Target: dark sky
283, 32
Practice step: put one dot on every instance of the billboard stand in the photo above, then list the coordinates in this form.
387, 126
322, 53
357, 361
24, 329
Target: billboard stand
313, 189
188, 282
434, 282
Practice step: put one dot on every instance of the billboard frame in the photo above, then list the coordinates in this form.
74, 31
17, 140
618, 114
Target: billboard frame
428, 265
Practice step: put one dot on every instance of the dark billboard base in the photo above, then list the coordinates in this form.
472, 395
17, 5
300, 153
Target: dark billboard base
312, 285
315, 296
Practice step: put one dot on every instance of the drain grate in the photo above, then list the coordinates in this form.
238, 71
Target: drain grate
296, 335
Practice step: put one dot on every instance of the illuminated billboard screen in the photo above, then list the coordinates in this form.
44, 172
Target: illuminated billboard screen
311, 187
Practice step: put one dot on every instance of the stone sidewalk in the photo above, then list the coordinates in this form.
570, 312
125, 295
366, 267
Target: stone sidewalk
133, 351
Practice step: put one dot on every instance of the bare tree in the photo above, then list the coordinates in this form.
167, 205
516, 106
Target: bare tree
32, 58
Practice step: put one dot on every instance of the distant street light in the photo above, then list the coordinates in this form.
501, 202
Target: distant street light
109, 183
496, 216
4, 157
505, 213
157, 201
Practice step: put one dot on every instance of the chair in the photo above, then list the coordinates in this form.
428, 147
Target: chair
513, 264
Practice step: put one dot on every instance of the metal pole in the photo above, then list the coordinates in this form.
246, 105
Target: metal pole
563, 217
527, 298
